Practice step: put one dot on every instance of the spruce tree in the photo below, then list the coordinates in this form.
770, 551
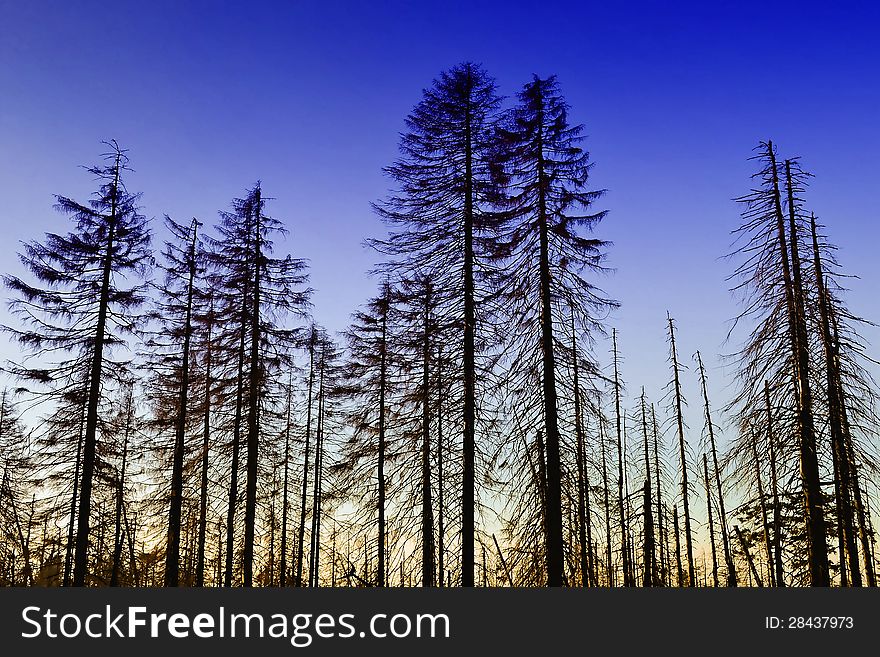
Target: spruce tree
256, 294
441, 219
170, 357
366, 457
545, 254
778, 349
83, 308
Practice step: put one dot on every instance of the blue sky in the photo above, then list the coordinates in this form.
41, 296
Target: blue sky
310, 98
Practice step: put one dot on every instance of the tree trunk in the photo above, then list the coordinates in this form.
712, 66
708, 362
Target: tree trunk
583, 499
236, 432
813, 507
745, 547
649, 556
778, 579
762, 499
677, 546
81, 555
68, 557
120, 492
609, 564
206, 435
661, 534
219, 581
555, 557
715, 581
253, 437
132, 560
683, 455
624, 548
542, 480
648, 553
468, 479
270, 576
722, 513
836, 401
863, 521
866, 530
427, 513
315, 539
381, 576
441, 529
305, 478
172, 550
284, 496
233, 477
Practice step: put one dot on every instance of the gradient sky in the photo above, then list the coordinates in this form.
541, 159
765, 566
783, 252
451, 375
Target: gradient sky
310, 98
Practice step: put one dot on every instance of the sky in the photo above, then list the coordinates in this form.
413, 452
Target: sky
310, 99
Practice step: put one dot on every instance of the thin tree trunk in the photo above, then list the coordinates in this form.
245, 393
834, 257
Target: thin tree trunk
715, 581
778, 580
664, 552
333, 558
236, 436
624, 548
863, 521
584, 539
722, 513
503, 562
843, 566
649, 556
591, 564
677, 545
132, 560
441, 529
542, 479
99, 552
836, 401
172, 550
219, 581
813, 506
427, 513
305, 482
555, 557
315, 542
270, 579
865, 532
762, 498
381, 576
870, 552
120, 492
253, 437
233, 477
609, 563
284, 495
683, 455
206, 436
468, 494
81, 555
68, 557
745, 547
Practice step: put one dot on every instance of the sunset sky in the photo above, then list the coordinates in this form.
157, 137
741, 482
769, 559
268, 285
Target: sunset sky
310, 98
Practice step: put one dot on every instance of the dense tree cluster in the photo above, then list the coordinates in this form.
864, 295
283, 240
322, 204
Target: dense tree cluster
178, 417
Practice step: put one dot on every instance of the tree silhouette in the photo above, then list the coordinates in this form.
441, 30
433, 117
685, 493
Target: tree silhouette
256, 292
82, 312
544, 257
441, 219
